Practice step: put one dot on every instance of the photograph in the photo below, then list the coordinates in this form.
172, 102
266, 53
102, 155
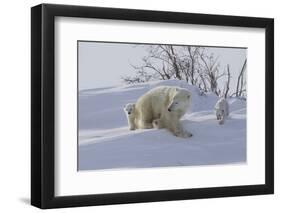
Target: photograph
143, 105
135, 105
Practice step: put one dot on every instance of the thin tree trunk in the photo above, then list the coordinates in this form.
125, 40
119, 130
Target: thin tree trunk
228, 82
239, 78
174, 61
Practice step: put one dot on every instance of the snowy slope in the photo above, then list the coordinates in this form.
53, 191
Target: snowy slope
106, 143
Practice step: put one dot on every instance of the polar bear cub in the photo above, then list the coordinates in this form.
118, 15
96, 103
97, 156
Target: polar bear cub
163, 107
129, 109
221, 110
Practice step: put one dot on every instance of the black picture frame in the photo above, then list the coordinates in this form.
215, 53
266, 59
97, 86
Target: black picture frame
43, 105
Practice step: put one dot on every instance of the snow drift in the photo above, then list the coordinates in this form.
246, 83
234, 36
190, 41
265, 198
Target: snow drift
105, 142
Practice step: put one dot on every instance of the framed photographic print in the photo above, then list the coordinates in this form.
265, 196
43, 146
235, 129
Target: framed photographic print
139, 106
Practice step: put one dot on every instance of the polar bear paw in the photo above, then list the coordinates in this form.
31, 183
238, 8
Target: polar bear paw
183, 134
187, 134
221, 122
157, 124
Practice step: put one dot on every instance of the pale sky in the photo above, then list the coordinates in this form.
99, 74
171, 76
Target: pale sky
103, 64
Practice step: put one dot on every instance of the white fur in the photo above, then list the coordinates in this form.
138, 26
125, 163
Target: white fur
221, 110
162, 107
129, 109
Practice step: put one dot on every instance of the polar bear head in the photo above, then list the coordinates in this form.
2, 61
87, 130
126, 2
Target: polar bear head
129, 109
180, 101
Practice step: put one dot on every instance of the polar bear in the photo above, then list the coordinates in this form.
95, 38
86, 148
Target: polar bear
163, 107
129, 109
221, 110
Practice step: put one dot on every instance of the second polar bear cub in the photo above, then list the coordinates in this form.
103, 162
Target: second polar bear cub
163, 107
221, 110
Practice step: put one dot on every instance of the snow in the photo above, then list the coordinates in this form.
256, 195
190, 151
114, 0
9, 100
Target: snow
105, 142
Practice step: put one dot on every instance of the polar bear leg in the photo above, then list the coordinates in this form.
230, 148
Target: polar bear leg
178, 131
145, 119
174, 126
221, 121
144, 124
131, 125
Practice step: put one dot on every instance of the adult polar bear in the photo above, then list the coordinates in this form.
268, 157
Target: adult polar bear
162, 107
